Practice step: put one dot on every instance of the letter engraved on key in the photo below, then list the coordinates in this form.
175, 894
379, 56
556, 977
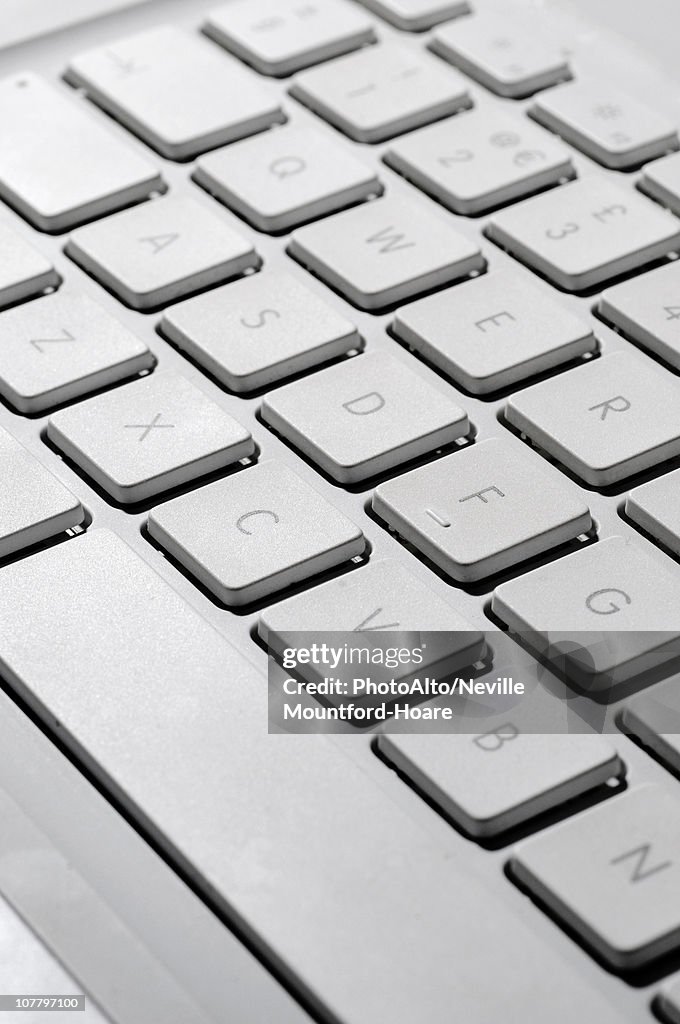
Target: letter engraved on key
494, 740
392, 240
480, 495
361, 90
249, 515
439, 520
607, 111
366, 404
126, 65
286, 166
479, 324
527, 156
363, 626
159, 242
641, 853
261, 318
37, 343
146, 428
504, 139
611, 608
611, 406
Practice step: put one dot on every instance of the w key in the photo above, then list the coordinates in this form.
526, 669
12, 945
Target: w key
385, 252
585, 232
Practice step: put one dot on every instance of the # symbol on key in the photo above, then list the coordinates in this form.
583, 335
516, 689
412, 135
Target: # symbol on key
146, 428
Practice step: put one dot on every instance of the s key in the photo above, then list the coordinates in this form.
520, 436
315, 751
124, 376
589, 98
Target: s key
585, 232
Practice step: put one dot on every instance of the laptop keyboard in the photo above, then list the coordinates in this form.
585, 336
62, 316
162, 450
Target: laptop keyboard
499, 193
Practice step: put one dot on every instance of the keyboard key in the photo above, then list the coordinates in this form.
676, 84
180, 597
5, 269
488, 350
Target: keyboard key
24, 271
417, 15
160, 252
61, 347
646, 309
479, 160
488, 784
669, 1000
585, 232
504, 53
661, 181
654, 718
382, 91
493, 331
482, 510
610, 607
605, 421
385, 252
175, 90
282, 178
189, 751
381, 597
58, 165
34, 505
615, 129
612, 875
153, 434
279, 37
364, 416
655, 507
257, 330
253, 534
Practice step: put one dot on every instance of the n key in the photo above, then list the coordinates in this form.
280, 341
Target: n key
613, 875
385, 252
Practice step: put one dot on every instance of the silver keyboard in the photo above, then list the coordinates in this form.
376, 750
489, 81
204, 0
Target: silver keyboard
322, 314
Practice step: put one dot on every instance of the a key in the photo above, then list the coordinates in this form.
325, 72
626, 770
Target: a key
585, 232
161, 251
381, 597
364, 416
493, 331
58, 165
504, 53
612, 875
385, 252
661, 181
655, 507
616, 416
647, 310
257, 330
34, 505
173, 720
248, 536
499, 778
482, 510
175, 90
382, 91
279, 37
150, 435
23, 270
611, 604
417, 15
613, 128
654, 718
479, 159
669, 1000
282, 178
61, 347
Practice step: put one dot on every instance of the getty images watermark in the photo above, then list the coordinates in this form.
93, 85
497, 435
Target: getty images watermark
460, 682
